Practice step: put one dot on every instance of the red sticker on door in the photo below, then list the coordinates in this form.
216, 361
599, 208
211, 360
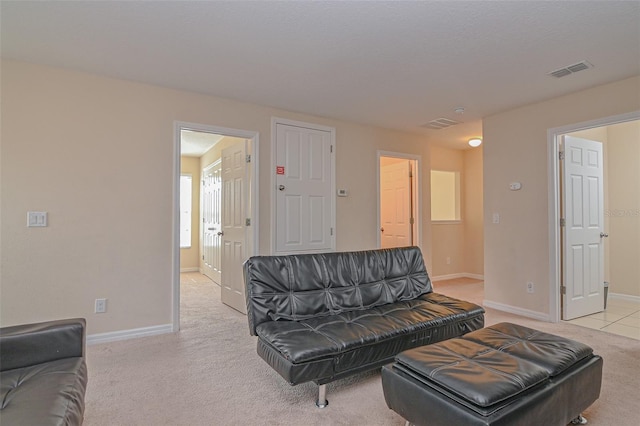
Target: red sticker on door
279, 170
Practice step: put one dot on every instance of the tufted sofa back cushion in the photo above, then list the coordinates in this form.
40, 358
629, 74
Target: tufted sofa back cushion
297, 287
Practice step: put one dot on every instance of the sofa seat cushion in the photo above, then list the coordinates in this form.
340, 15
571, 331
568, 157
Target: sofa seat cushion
51, 393
553, 353
328, 336
480, 375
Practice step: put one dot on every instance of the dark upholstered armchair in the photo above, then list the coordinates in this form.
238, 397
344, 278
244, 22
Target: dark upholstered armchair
43, 373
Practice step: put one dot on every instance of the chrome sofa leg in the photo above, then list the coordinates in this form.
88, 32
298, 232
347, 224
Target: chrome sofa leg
579, 420
322, 396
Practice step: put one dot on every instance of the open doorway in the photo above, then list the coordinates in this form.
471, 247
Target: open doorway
224, 220
399, 212
619, 210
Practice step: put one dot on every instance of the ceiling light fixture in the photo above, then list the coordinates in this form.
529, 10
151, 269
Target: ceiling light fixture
474, 142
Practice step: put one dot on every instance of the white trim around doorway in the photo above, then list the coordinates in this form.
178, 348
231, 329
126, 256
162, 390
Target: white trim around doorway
553, 179
253, 243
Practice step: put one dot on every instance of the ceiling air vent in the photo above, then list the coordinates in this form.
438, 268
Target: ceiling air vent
440, 123
580, 66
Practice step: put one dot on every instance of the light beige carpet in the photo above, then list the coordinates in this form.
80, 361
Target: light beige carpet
209, 374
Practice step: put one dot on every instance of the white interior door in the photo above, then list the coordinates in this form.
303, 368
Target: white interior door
234, 227
211, 225
395, 205
304, 190
583, 232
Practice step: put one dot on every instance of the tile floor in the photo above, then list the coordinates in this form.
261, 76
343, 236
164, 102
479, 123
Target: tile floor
621, 317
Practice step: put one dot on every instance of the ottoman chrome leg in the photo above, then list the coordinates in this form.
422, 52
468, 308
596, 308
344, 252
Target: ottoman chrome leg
322, 396
579, 420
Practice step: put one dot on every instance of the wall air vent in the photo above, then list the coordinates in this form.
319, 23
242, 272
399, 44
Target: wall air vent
440, 123
580, 66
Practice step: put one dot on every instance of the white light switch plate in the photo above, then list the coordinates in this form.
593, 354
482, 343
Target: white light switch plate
36, 219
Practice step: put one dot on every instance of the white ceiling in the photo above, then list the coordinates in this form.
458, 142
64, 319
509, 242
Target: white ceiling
391, 64
195, 144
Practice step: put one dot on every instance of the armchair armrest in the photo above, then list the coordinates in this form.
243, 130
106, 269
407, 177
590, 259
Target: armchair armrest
31, 344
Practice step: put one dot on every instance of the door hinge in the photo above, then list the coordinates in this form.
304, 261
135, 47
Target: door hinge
330, 231
561, 155
248, 158
203, 257
411, 221
563, 222
330, 148
563, 289
247, 222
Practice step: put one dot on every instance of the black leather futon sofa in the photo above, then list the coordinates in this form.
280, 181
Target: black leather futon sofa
322, 317
43, 373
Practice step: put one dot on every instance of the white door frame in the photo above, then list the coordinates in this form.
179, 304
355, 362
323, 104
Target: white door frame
417, 240
252, 242
555, 250
332, 132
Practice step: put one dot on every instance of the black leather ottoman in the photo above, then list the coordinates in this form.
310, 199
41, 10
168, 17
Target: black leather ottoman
505, 374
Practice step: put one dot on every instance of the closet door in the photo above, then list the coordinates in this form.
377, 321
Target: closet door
304, 192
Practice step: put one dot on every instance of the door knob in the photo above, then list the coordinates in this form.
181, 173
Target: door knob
220, 233
604, 235
381, 229
281, 187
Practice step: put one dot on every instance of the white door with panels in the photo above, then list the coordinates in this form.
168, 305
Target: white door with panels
395, 205
211, 226
304, 192
583, 228
234, 224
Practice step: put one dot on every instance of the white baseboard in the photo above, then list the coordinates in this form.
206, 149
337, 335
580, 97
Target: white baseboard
517, 311
475, 276
194, 269
459, 275
621, 296
129, 334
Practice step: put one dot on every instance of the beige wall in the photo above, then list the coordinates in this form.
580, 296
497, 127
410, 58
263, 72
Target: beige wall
515, 149
97, 154
215, 153
624, 208
387, 161
461, 242
448, 237
189, 257
473, 213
